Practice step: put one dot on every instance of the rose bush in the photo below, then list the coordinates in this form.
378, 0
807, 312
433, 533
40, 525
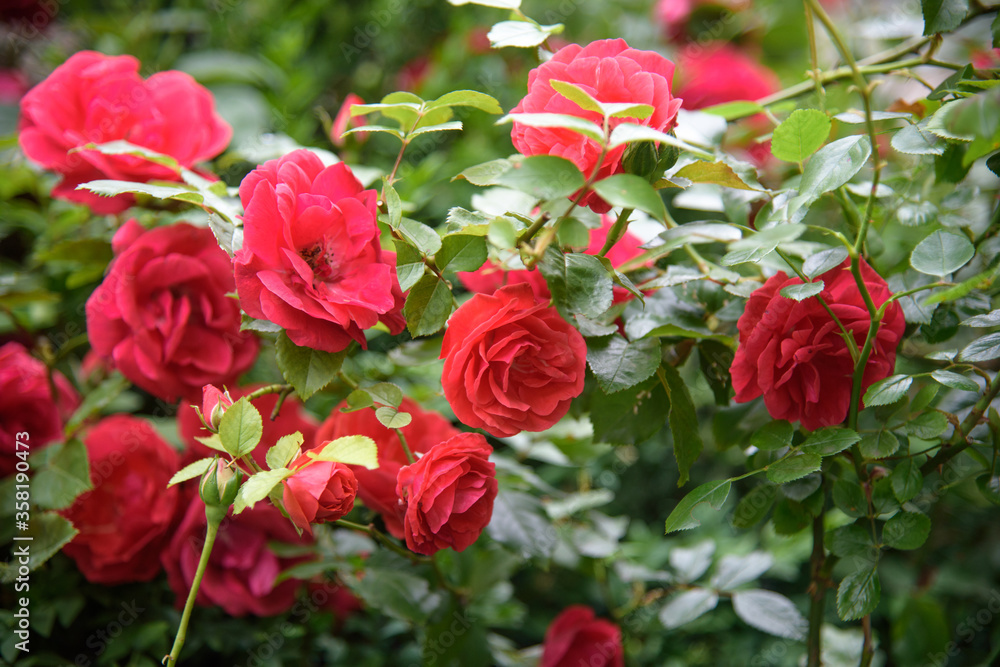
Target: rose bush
448, 494
162, 315
511, 364
609, 71
125, 522
311, 260
93, 99
793, 352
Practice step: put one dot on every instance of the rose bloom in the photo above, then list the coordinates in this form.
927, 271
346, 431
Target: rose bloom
792, 352
311, 260
491, 276
241, 573
125, 521
293, 417
344, 121
94, 98
318, 492
576, 637
27, 405
609, 71
162, 314
449, 494
511, 364
377, 488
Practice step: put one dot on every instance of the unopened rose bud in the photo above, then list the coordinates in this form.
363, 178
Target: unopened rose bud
644, 159
219, 484
213, 405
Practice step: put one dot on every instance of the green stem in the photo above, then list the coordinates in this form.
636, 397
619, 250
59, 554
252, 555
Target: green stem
269, 389
817, 589
617, 231
959, 441
406, 447
382, 539
214, 517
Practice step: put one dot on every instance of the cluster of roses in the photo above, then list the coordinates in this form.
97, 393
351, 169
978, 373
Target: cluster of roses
311, 262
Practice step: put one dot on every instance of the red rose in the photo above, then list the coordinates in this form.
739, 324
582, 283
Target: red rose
318, 492
125, 521
344, 121
511, 364
293, 417
311, 260
26, 404
94, 98
162, 314
610, 71
214, 403
792, 352
576, 637
449, 494
242, 570
377, 488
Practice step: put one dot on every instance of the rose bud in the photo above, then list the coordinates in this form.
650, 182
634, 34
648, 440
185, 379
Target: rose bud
318, 492
219, 484
213, 405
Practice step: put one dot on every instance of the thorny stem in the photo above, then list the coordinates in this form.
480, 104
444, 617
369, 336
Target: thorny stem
382, 539
960, 440
269, 389
817, 588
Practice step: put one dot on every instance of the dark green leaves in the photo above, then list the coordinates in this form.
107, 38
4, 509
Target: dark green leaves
461, 252
858, 594
428, 306
830, 440
304, 368
943, 15
63, 477
834, 165
713, 493
773, 435
800, 135
630, 191
887, 391
683, 422
982, 349
792, 467
543, 177
942, 253
630, 416
619, 364
579, 283
906, 530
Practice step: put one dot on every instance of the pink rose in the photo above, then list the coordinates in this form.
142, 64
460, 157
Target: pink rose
511, 364
377, 488
449, 494
311, 260
576, 637
125, 521
94, 98
214, 403
609, 71
162, 314
27, 405
717, 73
318, 492
793, 354
344, 121
242, 571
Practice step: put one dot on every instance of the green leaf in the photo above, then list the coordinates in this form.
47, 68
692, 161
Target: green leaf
906, 530
467, 98
683, 421
982, 349
65, 475
190, 471
773, 435
991, 319
687, 606
578, 282
989, 486
850, 498
887, 391
926, 426
499, 4
734, 570
577, 95
942, 253
392, 203
392, 418
734, 110
834, 165
306, 369
543, 177
410, 265
396, 591
240, 428
713, 493
716, 173
756, 247
438, 127
907, 480
284, 451
126, 148
754, 506
878, 445
212, 442
943, 15
803, 290
522, 34
564, 121
800, 135
487, 173
794, 466
853, 540
519, 522
258, 486
619, 364
420, 236
858, 594
916, 140
49, 532
461, 252
770, 612
630, 191
97, 400
830, 440
631, 416
428, 306
355, 450
456, 638
955, 380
